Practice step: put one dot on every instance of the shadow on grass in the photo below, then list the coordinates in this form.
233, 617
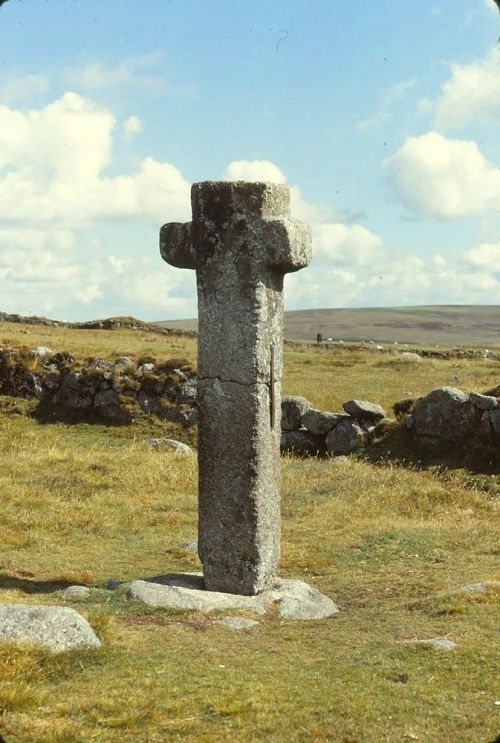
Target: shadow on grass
27, 585
46, 412
400, 446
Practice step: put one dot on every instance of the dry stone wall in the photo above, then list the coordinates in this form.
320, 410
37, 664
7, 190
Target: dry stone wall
117, 390
123, 389
445, 414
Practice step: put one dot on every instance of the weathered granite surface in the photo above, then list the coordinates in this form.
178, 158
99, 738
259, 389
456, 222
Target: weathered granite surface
186, 591
344, 438
293, 407
241, 242
446, 413
57, 628
364, 410
320, 422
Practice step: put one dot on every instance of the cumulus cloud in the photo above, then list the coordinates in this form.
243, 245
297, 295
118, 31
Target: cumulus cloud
444, 178
485, 256
55, 159
131, 126
56, 191
54, 188
340, 243
471, 93
254, 170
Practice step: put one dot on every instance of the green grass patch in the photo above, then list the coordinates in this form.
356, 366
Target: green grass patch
390, 540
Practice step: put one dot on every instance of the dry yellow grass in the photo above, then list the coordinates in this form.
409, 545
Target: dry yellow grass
83, 503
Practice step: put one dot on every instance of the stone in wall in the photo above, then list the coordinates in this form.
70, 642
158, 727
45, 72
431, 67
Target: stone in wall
345, 438
292, 410
445, 413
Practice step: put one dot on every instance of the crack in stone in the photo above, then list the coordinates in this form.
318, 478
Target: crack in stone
235, 381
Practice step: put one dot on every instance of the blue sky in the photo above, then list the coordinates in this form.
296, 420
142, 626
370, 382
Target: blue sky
384, 122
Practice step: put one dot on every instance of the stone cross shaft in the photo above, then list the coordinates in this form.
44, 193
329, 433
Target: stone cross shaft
241, 241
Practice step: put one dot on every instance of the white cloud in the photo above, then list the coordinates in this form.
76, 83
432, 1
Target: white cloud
472, 93
444, 178
139, 71
254, 170
343, 244
23, 87
373, 122
54, 189
485, 256
131, 126
491, 5
55, 159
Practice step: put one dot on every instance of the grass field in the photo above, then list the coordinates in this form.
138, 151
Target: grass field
83, 503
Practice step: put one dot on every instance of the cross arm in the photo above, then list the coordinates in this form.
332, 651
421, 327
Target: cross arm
176, 245
288, 244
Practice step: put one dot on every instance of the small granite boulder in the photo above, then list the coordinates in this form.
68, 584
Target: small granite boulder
171, 444
292, 410
319, 422
362, 410
75, 592
445, 413
57, 628
410, 356
344, 438
41, 351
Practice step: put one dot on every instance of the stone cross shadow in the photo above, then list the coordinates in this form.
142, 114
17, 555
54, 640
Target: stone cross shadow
241, 242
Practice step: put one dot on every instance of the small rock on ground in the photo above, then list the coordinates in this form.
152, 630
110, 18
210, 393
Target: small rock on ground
410, 356
191, 546
57, 628
75, 592
440, 643
478, 587
171, 444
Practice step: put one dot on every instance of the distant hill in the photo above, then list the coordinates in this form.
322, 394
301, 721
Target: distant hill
108, 323
444, 325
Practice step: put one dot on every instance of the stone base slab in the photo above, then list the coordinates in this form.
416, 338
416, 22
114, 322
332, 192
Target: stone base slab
186, 591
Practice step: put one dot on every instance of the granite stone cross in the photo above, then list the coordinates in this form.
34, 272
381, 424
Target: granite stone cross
241, 241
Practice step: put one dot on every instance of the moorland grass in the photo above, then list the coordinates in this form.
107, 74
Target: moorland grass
83, 503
